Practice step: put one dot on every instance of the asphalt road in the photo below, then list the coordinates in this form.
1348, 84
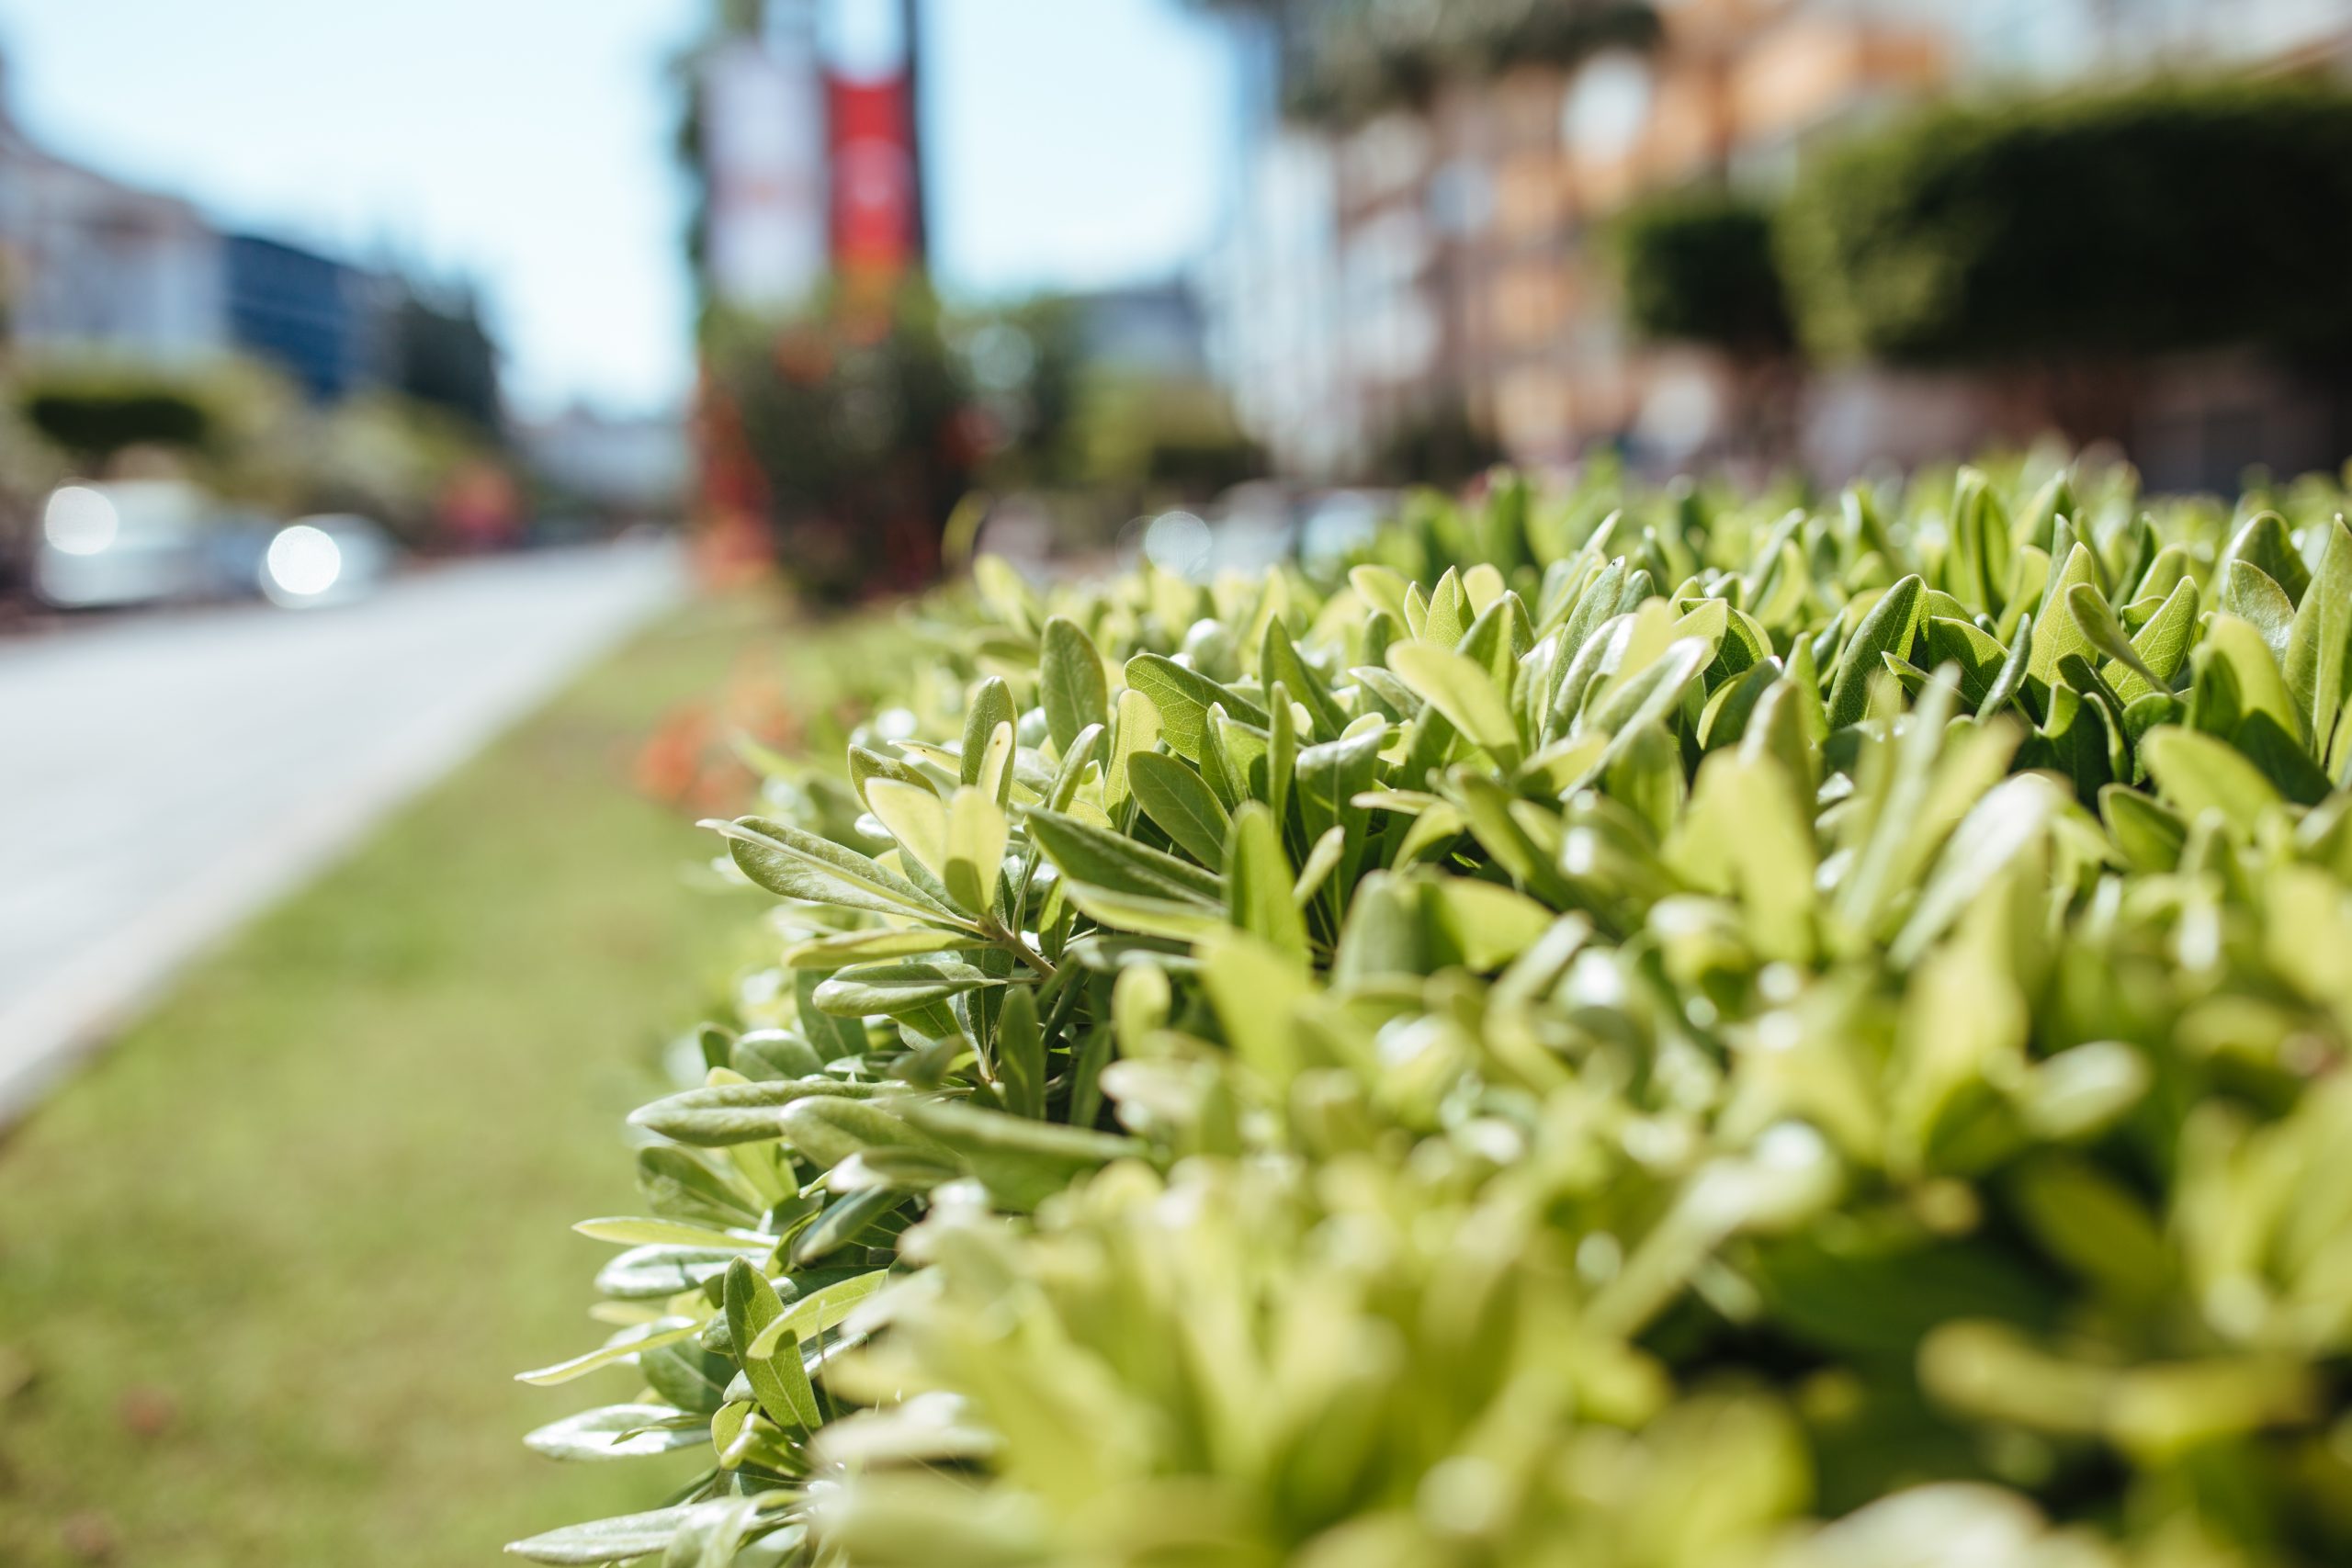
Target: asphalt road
163, 776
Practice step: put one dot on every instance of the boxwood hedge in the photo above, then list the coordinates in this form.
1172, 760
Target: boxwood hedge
1636, 1027
2146, 220
1696, 266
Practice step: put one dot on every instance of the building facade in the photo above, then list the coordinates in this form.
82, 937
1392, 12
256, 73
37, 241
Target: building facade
318, 318
1463, 243
90, 264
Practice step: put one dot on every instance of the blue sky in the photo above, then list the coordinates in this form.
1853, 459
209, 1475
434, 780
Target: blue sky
525, 143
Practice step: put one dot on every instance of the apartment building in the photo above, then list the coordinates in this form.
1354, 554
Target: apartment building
88, 262
1462, 243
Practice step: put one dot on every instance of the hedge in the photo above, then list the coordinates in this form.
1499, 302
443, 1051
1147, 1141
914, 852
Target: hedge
2151, 220
1637, 1028
1697, 266
95, 416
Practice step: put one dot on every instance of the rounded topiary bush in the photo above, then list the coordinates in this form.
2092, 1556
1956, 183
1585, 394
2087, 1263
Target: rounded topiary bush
1637, 1027
1697, 266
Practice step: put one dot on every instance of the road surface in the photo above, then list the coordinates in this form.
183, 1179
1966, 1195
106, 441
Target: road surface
164, 776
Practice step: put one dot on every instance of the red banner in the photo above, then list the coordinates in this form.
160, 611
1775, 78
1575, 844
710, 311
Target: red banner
875, 223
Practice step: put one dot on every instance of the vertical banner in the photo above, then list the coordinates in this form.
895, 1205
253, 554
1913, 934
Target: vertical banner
870, 101
764, 150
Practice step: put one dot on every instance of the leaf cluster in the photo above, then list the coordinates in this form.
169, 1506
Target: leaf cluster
1635, 1027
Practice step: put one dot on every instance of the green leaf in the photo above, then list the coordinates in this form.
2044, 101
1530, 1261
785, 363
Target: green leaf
1449, 613
1172, 795
917, 819
1486, 924
2319, 643
653, 1273
865, 766
975, 848
2248, 593
900, 987
1183, 698
1072, 772
1384, 936
2162, 645
2260, 686
853, 947
1887, 628
1233, 756
2281, 756
619, 1431
2011, 818
2266, 545
1103, 859
1977, 653
751, 1307
2055, 634
628, 1342
604, 1540
1280, 663
1281, 756
1258, 883
1021, 1162
991, 708
678, 1185
1139, 732
761, 1053
1646, 703
1322, 859
1256, 989
1021, 1054
636, 1232
828, 1131
1070, 682
2104, 632
1178, 920
2198, 773
713, 1531
792, 863
808, 1318
828, 1039
2148, 836
718, 1114
845, 1221
1747, 830
1461, 691
1593, 608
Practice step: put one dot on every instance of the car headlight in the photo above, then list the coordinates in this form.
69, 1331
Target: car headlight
79, 520
303, 562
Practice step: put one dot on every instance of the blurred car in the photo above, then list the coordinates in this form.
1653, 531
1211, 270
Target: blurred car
142, 542
135, 542
332, 558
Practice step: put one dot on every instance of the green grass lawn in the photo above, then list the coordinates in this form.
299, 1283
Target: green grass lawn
268, 1267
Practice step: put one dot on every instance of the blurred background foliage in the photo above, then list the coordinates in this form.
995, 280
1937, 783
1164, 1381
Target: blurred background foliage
1697, 266
2157, 218
2131, 223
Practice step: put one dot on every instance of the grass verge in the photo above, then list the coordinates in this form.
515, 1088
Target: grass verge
266, 1269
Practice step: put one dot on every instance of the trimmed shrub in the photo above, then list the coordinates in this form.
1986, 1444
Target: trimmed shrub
2153, 219
1697, 266
1638, 1027
95, 416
